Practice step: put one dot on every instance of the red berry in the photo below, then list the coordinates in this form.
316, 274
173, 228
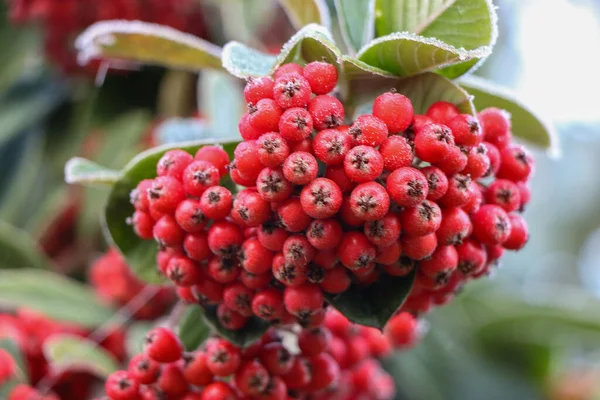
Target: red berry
368, 130
478, 162
395, 110
321, 198
252, 378
288, 273
384, 231
517, 163
402, 330
471, 257
423, 219
250, 209
321, 76
324, 234
466, 130
475, 199
494, 155
183, 271
291, 90
119, 385
325, 372
303, 300
326, 112
369, 201
264, 115
459, 191
314, 341
297, 250
455, 227
407, 186
254, 257
300, 168
336, 280
238, 297
196, 369
331, 146
240, 179
401, 267
139, 196
519, 233
299, 375
292, 215
491, 224
347, 215
196, 247
287, 69
173, 162
272, 149
272, 235
326, 259
167, 232
162, 345
258, 88
337, 174
190, 217
356, 251
143, 369
222, 269
454, 161
505, 194
172, 382
440, 265
525, 194
433, 143
276, 358
199, 176
272, 185
268, 304
216, 202
303, 145
436, 181
295, 124
143, 224
247, 131
246, 159
254, 281
165, 194
223, 358
442, 112
495, 124
419, 247
363, 164
208, 290
224, 238
396, 152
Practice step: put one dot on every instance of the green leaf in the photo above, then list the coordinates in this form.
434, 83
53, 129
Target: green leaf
18, 249
311, 43
304, 12
525, 123
373, 305
423, 90
253, 330
357, 22
146, 43
79, 170
134, 341
66, 352
140, 254
53, 295
462, 24
222, 103
193, 329
406, 54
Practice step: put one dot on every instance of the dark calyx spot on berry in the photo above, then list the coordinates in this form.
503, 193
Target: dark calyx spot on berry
466, 267
360, 161
176, 275
155, 191
244, 213
355, 132
162, 246
124, 383
271, 145
214, 197
415, 188
442, 278
332, 121
290, 88
443, 134
271, 184
457, 239
481, 149
228, 252
366, 203
220, 356
462, 181
149, 338
300, 166
226, 318
317, 230
406, 263
188, 358
252, 108
288, 273
167, 163
315, 274
265, 311
227, 264
504, 195
256, 381
201, 176
376, 229
501, 225
427, 212
521, 157
464, 149
433, 180
473, 126
304, 319
270, 226
297, 252
363, 260
335, 146
283, 356
321, 196
300, 122
198, 217
143, 365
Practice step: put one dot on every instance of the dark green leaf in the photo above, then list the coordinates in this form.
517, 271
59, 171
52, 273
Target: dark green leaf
18, 249
146, 43
82, 171
462, 24
193, 329
525, 124
304, 12
66, 352
253, 330
140, 254
373, 305
53, 295
357, 22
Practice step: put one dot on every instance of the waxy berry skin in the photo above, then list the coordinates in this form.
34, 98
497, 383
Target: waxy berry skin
491, 224
199, 176
356, 251
119, 385
258, 88
466, 130
423, 219
396, 153
291, 90
165, 194
300, 168
295, 124
433, 143
321, 76
272, 149
173, 163
442, 112
363, 164
368, 130
331, 146
162, 345
264, 116
322, 198
369, 201
216, 202
407, 186
326, 111
395, 110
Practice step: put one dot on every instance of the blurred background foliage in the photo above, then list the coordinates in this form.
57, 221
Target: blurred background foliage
531, 332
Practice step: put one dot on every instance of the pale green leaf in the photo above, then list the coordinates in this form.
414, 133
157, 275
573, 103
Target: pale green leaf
221, 103
357, 22
79, 170
66, 352
304, 12
53, 295
18, 249
146, 43
525, 123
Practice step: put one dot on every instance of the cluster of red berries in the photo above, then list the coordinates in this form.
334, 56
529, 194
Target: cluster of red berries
334, 361
29, 331
62, 20
114, 282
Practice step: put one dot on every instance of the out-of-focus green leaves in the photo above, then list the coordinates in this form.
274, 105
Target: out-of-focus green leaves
19, 250
357, 22
252, 331
304, 12
193, 329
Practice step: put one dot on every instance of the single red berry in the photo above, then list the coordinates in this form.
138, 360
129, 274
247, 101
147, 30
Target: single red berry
437, 182
165, 194
478, 162
325, 372
300, 168
442, 112
183, 271
336, 280
475, 199
173, 162
505, 194
454, 161
321, 198
419, 247
224, 238
369, 201
495, 124
363, 164
250, 209
337, 174
119, 385
422, 219
466, 130
491, 224
230, 319
525, 194
272, 185
295, 124
303, 300
139, 196
401, 267
368, 130
238, 297
297, 250
223, 358
326, 111
384, 231
389, 254
190, 217
289, 274
519, 233
276, 358
291, 90
407, 186
258, 88
167, 232
396, 152
208, 291
162, 345
395, 110
143, 224
303, 145
264, 115
247, 131
455, 227
324, 234
292, 215
326, 259
268, 304
215, 203
171, 381
314, 341
252, 378
8, 367
246, 159
223, 270
199, 176
215, 155
272, 149
517, 163
331, 146
196, 247
347, 215
440, 265
219, 390
356, 251
321, 76
240, 179
254, 257
254, 281
299, 375
287, 69
402, 330
458, 193
196, 369
433, 143
472, 257
272, 235
494, 155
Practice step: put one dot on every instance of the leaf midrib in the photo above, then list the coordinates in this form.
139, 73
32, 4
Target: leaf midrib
429, 20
